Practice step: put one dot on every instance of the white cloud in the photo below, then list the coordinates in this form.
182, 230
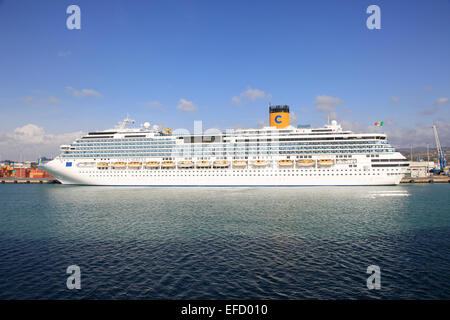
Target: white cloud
434, 108
83, 92
28, 134
28, 99
64, 53
430, 110
292, 117
440, 101
428, 88
347, 109
153, 104
186, 106
53, 100
261, 123
327, 105
395, 99
235, 100
252, 95
31, 141
50, 100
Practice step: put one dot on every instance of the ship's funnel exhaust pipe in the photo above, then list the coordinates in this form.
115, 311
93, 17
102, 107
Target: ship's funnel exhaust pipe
279, 116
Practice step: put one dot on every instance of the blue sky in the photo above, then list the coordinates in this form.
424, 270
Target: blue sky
222, 62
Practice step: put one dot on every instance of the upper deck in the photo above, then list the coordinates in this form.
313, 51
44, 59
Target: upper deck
236, 143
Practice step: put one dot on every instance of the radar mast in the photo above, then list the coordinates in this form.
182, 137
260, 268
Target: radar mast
123, 124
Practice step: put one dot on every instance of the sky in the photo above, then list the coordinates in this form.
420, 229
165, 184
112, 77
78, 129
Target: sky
221, 62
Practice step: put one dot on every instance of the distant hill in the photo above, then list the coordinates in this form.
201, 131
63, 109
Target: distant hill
422, 153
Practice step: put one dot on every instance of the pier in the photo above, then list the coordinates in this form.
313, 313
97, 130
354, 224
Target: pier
432, 179
10, 180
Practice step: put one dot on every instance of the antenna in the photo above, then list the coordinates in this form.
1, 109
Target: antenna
123, 124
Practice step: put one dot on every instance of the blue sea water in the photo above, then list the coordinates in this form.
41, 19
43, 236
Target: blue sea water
225, 243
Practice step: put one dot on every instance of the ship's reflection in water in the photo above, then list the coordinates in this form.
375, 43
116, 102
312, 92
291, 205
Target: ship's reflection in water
218, 243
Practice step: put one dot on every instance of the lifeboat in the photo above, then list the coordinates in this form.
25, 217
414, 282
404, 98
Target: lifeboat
86, 164
118, 165
152, 164
221, 164
260, 163
103, 165
285, 163
203, 164
168, 164
134, 164
325, 162
185, 164
239, 164
305, 163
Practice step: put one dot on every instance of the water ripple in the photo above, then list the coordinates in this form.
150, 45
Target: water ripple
270, 243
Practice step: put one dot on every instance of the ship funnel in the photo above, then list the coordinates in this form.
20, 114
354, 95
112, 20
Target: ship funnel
279, 116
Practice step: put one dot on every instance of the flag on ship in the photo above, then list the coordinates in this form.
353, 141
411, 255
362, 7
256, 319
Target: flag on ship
379, 124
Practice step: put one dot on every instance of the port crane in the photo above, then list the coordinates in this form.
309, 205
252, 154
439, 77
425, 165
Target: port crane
440, 152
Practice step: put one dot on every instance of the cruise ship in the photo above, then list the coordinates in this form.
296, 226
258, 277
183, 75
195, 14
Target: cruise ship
276, 155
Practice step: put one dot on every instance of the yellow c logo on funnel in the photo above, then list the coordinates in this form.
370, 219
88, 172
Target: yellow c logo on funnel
279, 119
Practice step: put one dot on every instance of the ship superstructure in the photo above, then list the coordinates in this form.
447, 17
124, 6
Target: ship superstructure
277, 155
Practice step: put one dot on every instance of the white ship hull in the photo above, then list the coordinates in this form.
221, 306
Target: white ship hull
268, 156
336, 176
